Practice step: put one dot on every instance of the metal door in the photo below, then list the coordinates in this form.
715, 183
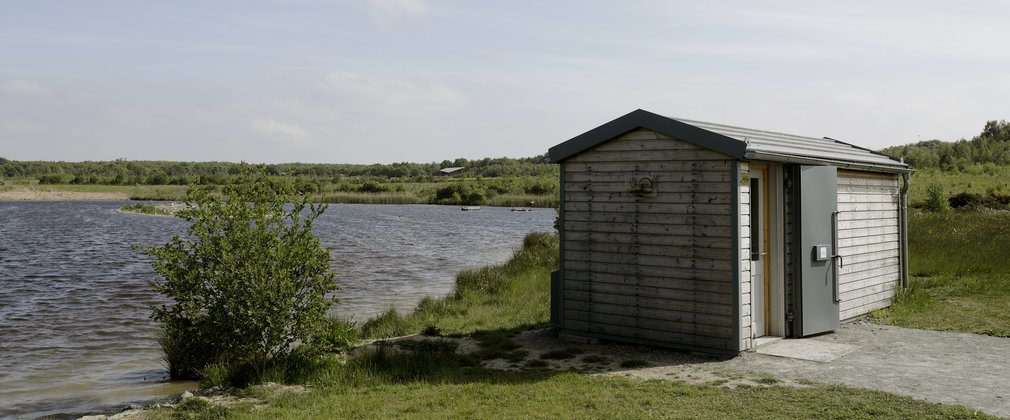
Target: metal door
815, 296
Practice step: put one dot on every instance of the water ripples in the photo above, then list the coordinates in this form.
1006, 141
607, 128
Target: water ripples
75, 297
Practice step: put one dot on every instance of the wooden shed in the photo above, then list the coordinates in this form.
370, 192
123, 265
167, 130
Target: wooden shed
708, 237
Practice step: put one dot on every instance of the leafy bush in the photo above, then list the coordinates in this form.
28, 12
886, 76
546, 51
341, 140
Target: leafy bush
465, 194
335, 336
59, 178
936, 198
249, 282
371, 186
973, 201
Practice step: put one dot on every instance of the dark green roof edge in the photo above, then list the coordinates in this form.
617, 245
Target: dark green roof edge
641, 118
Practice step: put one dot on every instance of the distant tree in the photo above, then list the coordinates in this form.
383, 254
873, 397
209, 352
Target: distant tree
936, 198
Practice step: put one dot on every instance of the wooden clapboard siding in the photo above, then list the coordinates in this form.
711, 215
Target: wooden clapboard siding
685, 283
644, 249
745, 262
645, 239
652, 266
868, 240
672, 219
666, 168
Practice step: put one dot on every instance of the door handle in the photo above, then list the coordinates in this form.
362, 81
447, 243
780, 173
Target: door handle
834, 249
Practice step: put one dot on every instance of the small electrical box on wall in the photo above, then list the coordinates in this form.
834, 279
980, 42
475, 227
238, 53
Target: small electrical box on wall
821, 253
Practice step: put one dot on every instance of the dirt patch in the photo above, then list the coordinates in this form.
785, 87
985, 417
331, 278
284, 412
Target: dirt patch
542, 349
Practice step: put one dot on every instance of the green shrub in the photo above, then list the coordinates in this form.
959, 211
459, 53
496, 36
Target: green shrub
936, 198
335, 336
372, 187
248, 283
215, 375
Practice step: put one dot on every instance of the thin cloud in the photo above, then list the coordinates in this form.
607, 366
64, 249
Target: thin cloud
387, 96
23, 88
271, 128
385, 12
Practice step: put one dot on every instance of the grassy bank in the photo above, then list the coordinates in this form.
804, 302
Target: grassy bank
132, 192
572, 395
488, 192
430, 379
959, 277
512, 295
979, 179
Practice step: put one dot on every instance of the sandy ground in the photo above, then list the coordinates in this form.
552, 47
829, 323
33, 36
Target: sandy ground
33, 194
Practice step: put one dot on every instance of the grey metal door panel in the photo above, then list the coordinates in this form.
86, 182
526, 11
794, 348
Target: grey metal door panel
815, 295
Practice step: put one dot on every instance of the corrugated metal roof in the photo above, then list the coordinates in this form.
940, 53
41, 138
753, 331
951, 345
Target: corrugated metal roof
737, 142
774, 143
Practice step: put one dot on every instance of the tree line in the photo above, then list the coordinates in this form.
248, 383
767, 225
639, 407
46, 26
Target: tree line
991, 147
124, 172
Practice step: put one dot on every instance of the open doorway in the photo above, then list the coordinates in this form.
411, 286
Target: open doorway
767, 246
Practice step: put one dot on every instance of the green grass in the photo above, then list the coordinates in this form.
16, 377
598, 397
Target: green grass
512, 295
498, 344
546, 394
431, 380
980, 179
960, 279
393, 197
401, 193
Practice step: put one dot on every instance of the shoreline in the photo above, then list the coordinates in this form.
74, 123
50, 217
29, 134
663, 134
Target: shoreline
31, 194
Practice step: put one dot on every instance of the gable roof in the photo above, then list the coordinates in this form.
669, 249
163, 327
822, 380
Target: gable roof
735, 142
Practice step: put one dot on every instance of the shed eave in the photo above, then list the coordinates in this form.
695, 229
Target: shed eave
640, 118
845, 164
734, 142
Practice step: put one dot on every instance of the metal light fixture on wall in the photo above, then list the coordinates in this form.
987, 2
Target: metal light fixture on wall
643, 186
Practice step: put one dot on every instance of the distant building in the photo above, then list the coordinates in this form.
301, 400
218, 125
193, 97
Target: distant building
455, 171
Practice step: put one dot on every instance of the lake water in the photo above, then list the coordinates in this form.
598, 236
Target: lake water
75, 332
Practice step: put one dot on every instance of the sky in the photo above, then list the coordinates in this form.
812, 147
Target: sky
382, 81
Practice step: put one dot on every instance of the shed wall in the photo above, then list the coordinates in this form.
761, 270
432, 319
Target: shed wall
868, 240
653, 265
746, 265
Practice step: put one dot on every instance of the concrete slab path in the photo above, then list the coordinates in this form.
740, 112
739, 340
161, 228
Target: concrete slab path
950, 368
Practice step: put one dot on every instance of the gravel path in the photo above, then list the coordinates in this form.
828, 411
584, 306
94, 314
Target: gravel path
950, 368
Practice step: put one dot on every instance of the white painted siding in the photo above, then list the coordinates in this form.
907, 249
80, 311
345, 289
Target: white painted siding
745, 262
868, 238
